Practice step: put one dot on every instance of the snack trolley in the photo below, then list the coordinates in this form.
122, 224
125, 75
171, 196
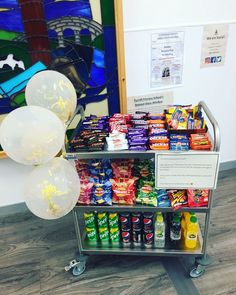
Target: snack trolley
78, 265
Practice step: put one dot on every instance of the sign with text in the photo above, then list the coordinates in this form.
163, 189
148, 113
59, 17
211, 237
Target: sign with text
154, 103
187, 170
167, 49
214, 44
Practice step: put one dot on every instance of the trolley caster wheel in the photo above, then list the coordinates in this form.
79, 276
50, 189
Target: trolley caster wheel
77, 266
197, 271
78, 269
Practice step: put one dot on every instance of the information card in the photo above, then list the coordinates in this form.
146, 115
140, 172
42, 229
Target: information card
187, 170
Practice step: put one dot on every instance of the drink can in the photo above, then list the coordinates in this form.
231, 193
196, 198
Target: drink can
102, 220
125, 221
103, 234
113, 220
148, 221
92, 234
137, 237
137, 221
89, 219
148, 238
115, 234
126, 237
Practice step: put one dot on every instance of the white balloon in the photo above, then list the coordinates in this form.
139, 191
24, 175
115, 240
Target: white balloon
52, 189
54, 91
32, 135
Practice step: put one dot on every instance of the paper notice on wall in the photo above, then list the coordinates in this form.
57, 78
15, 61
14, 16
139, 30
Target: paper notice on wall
166, 59
154, 103
214, 45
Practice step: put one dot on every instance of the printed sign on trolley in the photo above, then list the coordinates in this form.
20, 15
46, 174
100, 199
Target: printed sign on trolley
187, 170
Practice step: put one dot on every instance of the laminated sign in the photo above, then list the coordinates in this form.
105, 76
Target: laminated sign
214, 44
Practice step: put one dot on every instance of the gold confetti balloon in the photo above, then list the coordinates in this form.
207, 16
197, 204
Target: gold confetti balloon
32, 135
54, 91
52, 189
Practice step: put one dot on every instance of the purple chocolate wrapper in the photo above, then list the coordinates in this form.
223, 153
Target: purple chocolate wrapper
138, 148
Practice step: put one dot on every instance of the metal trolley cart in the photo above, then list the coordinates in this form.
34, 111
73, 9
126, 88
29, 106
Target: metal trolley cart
77, 266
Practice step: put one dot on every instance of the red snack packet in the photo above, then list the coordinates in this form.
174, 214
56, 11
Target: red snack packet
198, 198
123, 191
85, 192
178, 198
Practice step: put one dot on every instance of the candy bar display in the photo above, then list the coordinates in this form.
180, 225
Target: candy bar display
185, 118
158, 135
200, 142
179, 128
179, 142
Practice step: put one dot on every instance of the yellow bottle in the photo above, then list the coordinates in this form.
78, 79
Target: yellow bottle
191, 233
185, 220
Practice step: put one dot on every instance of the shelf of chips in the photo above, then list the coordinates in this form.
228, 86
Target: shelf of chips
129, 182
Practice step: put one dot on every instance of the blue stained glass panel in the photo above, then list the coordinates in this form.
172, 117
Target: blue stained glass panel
98, 58
6, 22
97, 76
54, 10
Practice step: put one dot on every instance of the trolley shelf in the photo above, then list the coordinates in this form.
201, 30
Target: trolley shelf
125, 154
135, 208
133, 250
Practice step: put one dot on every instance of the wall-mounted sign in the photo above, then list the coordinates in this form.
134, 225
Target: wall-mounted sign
214, 44
187, 170
166, 59
153, 103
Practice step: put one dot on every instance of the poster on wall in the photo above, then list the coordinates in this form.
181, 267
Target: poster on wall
167, 50
214, 43
153, 103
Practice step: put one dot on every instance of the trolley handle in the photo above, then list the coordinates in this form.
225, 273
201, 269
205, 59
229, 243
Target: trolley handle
79, 111
214, 123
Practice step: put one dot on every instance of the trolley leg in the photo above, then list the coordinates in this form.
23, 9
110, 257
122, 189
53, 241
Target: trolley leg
78, 265
202, 262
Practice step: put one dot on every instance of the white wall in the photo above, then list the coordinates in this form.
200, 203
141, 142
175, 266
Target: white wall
12, 179
216, 86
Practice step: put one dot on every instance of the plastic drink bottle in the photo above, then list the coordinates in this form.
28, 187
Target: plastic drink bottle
185, 220
191, 233
160, 229
175, 230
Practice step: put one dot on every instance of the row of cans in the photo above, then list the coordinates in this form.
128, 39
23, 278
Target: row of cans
124, 227
102, 227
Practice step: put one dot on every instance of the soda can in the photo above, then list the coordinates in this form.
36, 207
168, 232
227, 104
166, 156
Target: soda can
103, 234
148, 221
148, 239
115, 234
126, 237
102, 219
137, 237
113, 219
89, 219
136, 221
92, 234
125, 221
